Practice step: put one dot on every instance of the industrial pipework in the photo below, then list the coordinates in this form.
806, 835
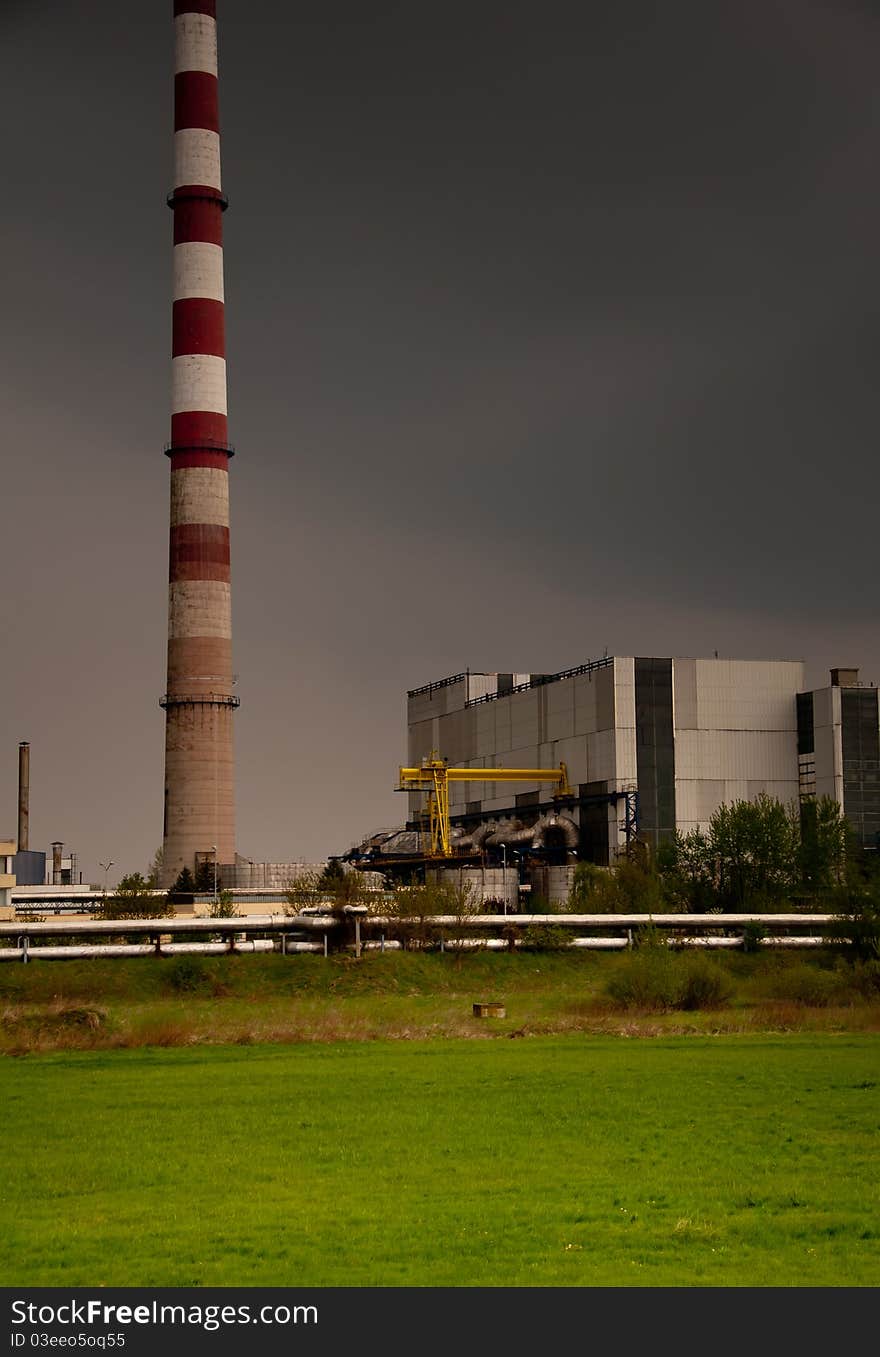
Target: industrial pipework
198, 701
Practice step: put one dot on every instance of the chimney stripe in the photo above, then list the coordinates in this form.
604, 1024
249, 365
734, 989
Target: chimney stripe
195, 44
196, 102
196, 158
198, 327
198, 608
198, 270
197, 429
199, 220
198, 382
199, 496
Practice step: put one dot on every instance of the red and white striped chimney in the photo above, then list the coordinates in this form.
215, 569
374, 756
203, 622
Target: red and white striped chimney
199, 701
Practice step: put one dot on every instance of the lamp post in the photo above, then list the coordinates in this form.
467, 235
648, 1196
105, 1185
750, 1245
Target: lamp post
214, 851
504, 873
106, 868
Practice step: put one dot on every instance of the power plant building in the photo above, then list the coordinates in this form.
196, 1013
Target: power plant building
651, 746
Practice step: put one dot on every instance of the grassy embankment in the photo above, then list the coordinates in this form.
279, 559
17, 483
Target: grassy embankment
166, 1002
557, 1161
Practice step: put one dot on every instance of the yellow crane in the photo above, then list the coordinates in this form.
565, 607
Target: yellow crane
433, 776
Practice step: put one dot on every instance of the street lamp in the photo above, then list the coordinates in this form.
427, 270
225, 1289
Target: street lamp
214, 851
106, 867
504, 874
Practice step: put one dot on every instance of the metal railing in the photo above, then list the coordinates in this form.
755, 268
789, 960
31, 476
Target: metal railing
539, 680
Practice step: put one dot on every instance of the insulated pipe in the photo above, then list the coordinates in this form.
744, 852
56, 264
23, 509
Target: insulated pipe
553, 821
198, 701
24, 794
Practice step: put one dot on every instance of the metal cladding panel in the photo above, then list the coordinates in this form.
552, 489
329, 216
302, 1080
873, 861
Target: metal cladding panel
823, 707
625, 754
438, 701
586, 717
525, 717
484, 729
523, 756
601, 756
502, 740
456, 736
709, 794
688, 762
747, 694
783, 789
421, 737
624, 681
560, 699
480, 685
575, 755
686, 802
754, 755
829, 762
605, 714
684, 696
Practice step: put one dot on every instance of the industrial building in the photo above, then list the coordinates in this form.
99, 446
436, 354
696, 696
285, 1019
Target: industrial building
650, 746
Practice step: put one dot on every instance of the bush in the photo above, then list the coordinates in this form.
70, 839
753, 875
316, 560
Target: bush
546, 938
645, 979
653, 977
705, 984
810, 986
187, 973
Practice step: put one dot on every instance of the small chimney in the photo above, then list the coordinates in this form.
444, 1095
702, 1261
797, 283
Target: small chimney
844, 678
56, 863
24, 794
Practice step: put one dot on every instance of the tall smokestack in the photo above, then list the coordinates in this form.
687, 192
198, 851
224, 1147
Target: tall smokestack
198, 701
24, 794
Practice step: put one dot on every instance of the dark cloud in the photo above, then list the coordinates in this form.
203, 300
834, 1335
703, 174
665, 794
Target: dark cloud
548, 332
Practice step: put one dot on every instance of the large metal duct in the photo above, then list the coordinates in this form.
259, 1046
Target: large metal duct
558, 823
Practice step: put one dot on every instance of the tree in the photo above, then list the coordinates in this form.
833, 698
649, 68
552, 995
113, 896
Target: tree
206, 877
183, 888
223, 907
825, 844
687, 872
154, 871
134, 899
754, 846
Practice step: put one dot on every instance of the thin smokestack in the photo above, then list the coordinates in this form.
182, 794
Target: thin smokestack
24, 794
56, 863
198, 701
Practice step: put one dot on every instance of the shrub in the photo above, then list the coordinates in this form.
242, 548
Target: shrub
645, 979
653, 977
545, 938
809, 985
187, 973
704, 984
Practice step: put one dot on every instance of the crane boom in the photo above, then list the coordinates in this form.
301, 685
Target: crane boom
433, 776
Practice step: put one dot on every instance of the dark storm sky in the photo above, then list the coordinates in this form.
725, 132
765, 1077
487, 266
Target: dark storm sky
552, 328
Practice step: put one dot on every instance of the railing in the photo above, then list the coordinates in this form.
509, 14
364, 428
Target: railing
440, 683
539, 680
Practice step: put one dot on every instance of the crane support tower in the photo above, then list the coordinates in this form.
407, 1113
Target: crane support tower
433, 776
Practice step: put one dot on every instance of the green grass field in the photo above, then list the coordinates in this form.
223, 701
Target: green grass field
573, 1160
